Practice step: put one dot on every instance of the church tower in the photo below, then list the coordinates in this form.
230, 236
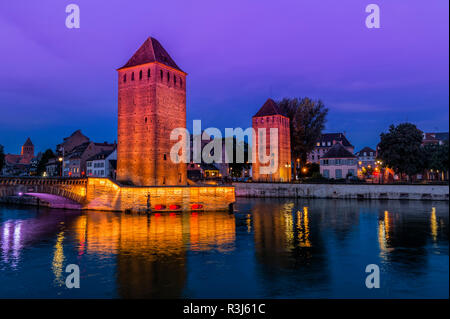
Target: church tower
27, 149
266, 118
152, 102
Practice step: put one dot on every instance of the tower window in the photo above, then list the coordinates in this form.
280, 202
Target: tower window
175, 80
124, 78
145, 120
168, 76
148, 73
132, 76
181, 82
161, 72
140, 75
165, 157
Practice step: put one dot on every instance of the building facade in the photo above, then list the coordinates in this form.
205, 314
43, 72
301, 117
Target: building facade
75, 161
152, 102
324, 144
266, 118
102, 164
338, 163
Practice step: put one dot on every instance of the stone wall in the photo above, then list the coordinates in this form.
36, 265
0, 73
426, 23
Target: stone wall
417, 192
104, 194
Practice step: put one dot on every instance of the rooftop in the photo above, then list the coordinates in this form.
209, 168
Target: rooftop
269, 108
151, 51
338, 151
330, 137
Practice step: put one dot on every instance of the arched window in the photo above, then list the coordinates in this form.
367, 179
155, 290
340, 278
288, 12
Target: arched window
124, 78
140, 75
148, 73
132, 76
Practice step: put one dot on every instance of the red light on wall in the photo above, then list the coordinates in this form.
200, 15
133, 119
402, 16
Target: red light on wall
174, 207
159, 207
197, 206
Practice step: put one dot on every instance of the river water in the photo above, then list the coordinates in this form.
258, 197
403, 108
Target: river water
270, 248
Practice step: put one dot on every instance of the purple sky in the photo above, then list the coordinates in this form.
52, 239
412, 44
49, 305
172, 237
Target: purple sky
237, 53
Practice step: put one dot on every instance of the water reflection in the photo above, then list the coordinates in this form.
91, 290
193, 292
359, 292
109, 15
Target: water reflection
151, 249
288, 247
269, 248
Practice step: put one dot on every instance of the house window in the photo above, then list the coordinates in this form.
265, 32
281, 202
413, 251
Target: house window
329, 143
338, 173
351, 172
326, 173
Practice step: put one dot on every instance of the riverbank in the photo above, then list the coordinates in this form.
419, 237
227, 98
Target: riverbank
344, 191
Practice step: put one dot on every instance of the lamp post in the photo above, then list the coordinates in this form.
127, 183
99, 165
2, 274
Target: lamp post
60, 159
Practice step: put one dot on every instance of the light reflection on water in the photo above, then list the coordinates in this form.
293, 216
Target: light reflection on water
267, 249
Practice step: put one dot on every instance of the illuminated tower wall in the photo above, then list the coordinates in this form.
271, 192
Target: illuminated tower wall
270, 117
152, 102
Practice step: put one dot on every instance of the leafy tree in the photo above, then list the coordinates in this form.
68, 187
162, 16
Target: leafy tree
437, 157
307, 120
2, 158
48, 154
401, 149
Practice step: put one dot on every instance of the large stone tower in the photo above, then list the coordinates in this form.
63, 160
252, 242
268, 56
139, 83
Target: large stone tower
152, 102
269, 117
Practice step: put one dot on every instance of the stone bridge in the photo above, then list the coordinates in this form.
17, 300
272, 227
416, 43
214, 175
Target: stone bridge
74, 189
105, 194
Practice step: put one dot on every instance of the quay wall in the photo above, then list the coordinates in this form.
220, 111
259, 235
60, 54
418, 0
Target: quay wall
104, 194
344, 191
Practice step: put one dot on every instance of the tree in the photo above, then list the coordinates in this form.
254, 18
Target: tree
401, 149
48, 154
2, 158
437, 157
307, 120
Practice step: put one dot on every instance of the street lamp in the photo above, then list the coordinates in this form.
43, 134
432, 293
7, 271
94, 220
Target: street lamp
60, 159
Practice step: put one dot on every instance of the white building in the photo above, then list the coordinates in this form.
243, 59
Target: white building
102, 165
338, 163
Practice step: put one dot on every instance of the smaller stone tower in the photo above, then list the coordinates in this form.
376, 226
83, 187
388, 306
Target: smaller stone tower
27, 149
269, 117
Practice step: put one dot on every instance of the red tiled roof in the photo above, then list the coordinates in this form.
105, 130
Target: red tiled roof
269, 108
151, 51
